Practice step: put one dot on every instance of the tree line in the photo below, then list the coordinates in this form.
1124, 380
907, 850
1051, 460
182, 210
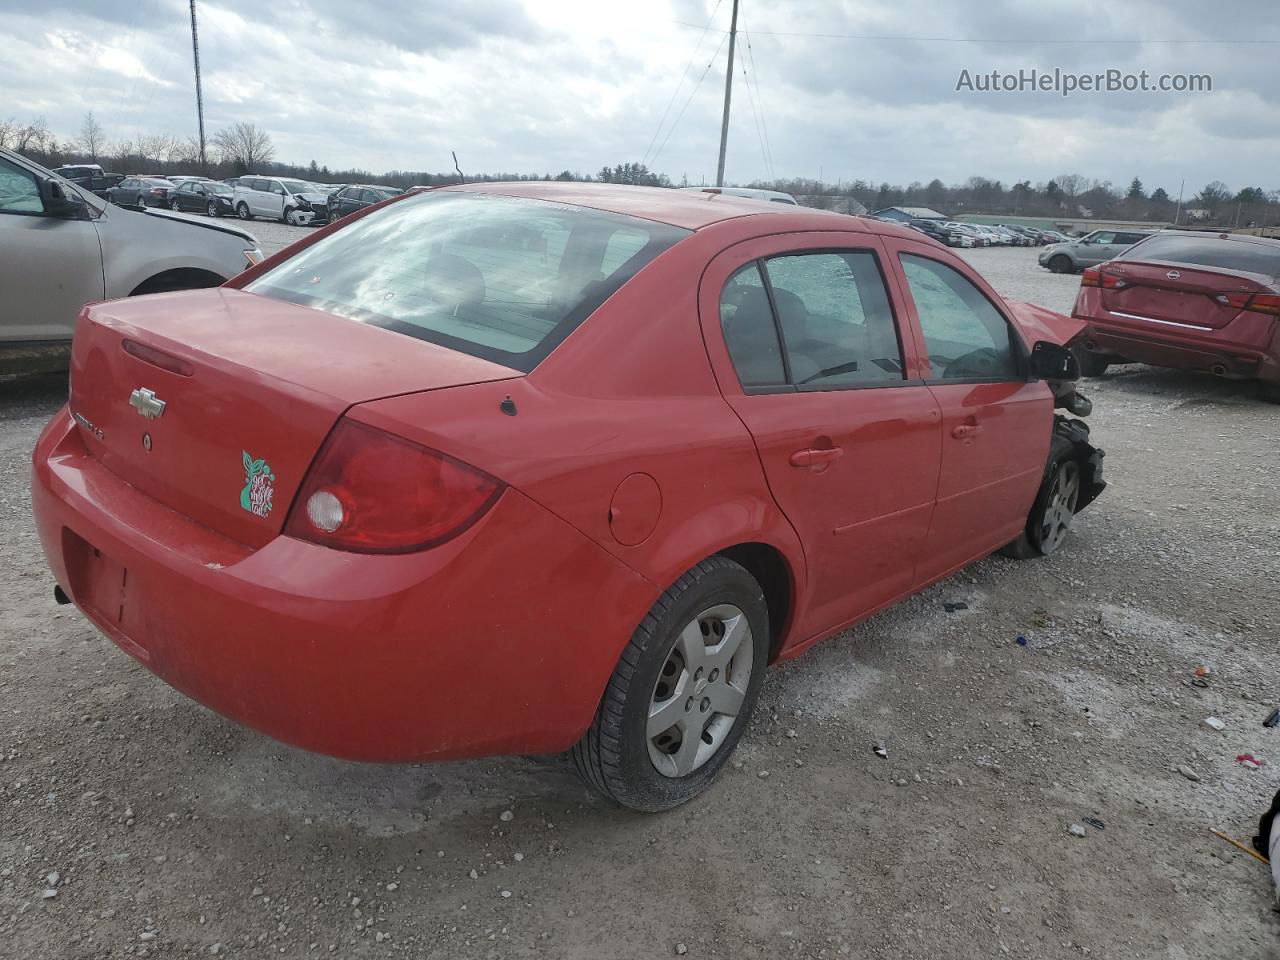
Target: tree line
247, 148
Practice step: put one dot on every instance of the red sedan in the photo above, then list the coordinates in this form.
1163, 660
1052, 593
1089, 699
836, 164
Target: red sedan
1194, 301
524, 468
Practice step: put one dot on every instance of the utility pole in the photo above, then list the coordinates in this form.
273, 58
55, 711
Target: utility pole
728, 95
195, 50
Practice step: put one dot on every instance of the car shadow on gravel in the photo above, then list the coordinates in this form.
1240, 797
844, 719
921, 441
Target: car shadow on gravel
1140, 380
22, 395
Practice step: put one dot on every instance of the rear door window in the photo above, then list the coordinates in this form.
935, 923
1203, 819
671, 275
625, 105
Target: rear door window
966, 337
837, 326
750, 333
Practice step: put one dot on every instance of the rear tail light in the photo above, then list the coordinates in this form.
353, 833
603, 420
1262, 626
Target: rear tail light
1268, 303
372, 492
1093, 277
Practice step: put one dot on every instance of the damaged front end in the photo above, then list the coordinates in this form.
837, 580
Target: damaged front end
1053, 333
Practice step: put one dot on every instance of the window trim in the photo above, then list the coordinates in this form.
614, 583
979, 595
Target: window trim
761, 264
1021, 353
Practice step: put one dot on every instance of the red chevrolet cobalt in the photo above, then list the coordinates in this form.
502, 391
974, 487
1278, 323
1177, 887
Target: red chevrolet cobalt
525, 468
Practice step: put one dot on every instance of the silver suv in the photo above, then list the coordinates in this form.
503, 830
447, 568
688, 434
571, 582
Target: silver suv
61, 246
292, 201
1090, 250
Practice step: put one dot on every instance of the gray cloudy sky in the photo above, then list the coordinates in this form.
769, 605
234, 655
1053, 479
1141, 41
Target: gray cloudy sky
516, 85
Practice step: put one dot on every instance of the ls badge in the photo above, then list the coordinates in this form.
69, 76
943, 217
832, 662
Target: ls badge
259, 486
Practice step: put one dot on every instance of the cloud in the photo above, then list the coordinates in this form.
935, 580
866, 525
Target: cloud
540, 87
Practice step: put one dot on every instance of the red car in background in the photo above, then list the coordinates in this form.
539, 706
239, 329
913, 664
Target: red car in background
521, 468
1194, 301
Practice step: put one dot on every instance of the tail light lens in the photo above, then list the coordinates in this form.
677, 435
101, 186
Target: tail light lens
1268, 303
372, 492
1093, 277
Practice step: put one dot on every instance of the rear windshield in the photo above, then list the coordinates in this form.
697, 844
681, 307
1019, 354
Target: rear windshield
501, 278
1197, 251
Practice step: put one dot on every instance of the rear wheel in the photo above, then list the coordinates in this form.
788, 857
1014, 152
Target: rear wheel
1091, 364
682, 692
1053, 512
242, 211
1061, 263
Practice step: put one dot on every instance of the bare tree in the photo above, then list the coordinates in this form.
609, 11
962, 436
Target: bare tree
245, 145
8, 132
92, 139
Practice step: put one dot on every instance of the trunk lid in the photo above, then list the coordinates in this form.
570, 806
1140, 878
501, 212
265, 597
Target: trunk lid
214, 402
1183, 295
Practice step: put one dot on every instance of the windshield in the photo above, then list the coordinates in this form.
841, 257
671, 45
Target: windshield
1200, 251
297, 186
217, 188
501, 278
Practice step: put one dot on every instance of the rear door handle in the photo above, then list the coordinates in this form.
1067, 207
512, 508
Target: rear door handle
964, 431
812, 456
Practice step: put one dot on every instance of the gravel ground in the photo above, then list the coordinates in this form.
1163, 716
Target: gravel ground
134, 822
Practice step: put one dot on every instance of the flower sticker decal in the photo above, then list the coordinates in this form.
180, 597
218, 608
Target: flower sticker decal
259, 486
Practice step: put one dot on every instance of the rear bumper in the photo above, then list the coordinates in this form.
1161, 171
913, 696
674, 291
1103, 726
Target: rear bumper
1248, 347
499, 641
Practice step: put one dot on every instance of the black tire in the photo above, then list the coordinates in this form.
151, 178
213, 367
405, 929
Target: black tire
1037, 539
173, 205
212, 209
242, 211
613, 757
1061, 263
1091, 364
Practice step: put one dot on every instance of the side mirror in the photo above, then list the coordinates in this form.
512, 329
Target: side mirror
60, 201
1052, 361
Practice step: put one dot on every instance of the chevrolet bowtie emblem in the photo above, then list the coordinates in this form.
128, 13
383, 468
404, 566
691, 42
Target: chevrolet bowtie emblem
146, 403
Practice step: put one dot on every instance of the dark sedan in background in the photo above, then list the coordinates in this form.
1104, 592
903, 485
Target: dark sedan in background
357, 196
141, 192
203, 196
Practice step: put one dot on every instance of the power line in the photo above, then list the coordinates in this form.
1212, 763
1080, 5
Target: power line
755, 116
675, 123
1023, 40
755, 79
676, 92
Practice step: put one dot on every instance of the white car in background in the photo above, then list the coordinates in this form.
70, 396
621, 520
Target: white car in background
773, 196
285, 199
61, 246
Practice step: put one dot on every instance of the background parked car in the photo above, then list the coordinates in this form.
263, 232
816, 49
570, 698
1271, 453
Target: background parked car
938, 230
280, 198
61, 246
140, 192
209, 197
1188, 300
90, 176
1090, 250
357, 196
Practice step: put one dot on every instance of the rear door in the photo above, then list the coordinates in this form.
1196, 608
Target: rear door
805, 343
996, 425
49, 266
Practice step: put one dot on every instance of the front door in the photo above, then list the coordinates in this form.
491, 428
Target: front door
49, 266
996, 424
806, 346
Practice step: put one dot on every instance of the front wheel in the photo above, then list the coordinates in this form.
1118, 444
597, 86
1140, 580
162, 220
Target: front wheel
242, 211
293, 217
682, 692
1054, 509
173, 205
1061, 263
212, 209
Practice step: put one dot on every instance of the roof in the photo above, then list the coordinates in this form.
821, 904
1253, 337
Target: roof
689, 209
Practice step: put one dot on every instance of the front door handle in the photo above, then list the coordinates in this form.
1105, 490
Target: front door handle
964, 431
814, 456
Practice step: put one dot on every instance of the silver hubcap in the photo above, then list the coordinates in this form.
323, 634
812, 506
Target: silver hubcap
1061, 508
700, 690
